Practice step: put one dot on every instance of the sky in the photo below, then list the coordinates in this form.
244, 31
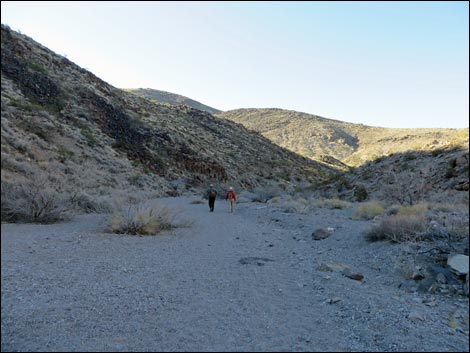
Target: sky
389, 64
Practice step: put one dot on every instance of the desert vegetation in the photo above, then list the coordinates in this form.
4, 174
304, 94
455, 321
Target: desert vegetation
141, 219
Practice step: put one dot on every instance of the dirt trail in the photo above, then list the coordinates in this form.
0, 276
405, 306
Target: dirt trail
247, 281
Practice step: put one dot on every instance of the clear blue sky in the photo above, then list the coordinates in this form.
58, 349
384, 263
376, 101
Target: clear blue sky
391, 64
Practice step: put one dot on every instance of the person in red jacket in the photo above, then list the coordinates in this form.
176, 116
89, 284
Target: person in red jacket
231, 197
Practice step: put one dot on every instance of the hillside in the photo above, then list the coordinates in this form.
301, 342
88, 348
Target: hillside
66, 128
352, 144
170, 98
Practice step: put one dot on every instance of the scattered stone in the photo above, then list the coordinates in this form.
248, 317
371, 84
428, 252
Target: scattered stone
415, 316
450, 276
441, 278
332, 268
462, 160
356, 276
260, 261
453, 322
458, 263
334, 300
431, 303
462, 186
417, 276
320, 234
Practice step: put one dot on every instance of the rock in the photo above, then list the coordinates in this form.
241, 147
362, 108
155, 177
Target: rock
260, 261
417, 276
435, 270
458, 263
320, 234
462, 160
415, 316
462, 186
440, 278
431, 303
334, 300
356, 276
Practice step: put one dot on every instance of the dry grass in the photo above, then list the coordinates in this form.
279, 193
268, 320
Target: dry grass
142, 220
368, 210
332, 204
398, 229
417, 209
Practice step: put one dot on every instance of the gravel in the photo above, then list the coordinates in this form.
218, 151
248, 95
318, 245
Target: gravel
253, 280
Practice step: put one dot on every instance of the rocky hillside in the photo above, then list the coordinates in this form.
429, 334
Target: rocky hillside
338, 142
171, 98
439, 176
60, 122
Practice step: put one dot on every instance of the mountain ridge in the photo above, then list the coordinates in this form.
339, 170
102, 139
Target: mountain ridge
314, 137
170, 98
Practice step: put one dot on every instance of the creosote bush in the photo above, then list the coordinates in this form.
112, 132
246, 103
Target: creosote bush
399, 228
369, 210
35, 202
333, 204
360, 193
142, 220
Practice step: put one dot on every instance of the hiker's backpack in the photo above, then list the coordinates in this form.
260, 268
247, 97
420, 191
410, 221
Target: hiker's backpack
212, 193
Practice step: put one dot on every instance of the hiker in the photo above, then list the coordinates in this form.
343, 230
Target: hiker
212, 194
231, 197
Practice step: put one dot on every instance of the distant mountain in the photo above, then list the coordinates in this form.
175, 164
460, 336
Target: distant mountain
62, 122
171, 98
326, 140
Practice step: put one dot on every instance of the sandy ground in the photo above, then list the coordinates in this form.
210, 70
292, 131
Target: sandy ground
248, 281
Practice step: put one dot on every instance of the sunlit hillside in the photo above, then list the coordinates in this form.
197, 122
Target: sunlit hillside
319, 138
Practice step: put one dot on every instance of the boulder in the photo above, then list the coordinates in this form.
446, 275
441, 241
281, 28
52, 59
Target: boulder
458, 263
320, 234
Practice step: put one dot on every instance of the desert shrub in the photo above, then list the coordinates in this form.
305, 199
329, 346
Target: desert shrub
392, 210
35, 127
245, 196
294, 206
360, 193
405, 190
83, 202
36, 202
333, 203
416, 209
265, 193
275, 199
448, 221
142, 220
18, 166
64, 154
399, 228
451, 173
369, 210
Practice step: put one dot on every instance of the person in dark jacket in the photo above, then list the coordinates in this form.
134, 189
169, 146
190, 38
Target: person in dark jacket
211, 194
231, 197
